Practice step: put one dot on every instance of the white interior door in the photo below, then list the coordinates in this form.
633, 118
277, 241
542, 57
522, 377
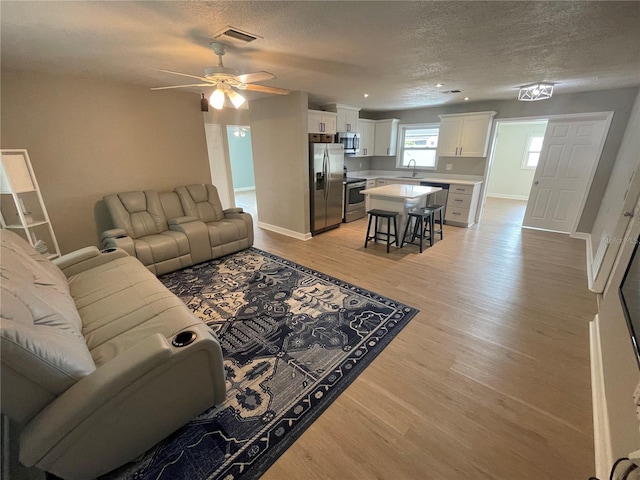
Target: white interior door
219, 165
569, 155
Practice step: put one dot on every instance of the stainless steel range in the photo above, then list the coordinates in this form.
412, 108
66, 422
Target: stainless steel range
354, 206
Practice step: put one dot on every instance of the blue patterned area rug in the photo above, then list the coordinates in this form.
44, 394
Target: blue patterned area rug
293, 339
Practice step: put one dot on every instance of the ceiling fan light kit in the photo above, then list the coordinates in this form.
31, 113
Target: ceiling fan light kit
217, 99
535, 91
225, 80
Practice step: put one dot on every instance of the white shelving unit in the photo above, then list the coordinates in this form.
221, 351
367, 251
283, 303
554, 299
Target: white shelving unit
21, 206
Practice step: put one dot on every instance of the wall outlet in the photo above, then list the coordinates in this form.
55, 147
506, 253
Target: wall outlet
360, 164
449, 166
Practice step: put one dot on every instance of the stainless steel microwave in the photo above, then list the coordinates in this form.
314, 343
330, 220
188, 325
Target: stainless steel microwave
349, 140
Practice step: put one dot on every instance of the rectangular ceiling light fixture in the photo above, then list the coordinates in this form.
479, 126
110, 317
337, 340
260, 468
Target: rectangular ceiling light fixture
535, 91
234, 36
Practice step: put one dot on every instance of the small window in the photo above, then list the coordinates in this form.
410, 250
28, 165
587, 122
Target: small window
419, 143
532, 152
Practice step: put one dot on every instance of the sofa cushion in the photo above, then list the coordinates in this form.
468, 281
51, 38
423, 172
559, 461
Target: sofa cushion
138, 213
201, 201
122, 304
226, 231
41, 329
153, 249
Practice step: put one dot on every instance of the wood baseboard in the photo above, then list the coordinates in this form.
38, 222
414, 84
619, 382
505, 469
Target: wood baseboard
601, 429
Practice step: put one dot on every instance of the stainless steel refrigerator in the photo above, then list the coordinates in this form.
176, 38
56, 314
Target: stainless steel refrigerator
326, 162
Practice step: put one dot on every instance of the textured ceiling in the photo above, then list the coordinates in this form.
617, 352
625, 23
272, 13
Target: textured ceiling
336, 51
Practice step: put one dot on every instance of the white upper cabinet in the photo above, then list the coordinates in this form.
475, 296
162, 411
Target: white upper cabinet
386, 137
322, 122
367, 131
464, 135
347, 117
348, 120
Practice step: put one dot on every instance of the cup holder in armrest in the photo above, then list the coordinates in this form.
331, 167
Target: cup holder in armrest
183, 338
108, 250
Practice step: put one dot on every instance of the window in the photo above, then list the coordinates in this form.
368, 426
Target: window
532, 152
419, 143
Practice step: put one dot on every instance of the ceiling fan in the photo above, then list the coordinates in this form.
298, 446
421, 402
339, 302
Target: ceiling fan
226, 80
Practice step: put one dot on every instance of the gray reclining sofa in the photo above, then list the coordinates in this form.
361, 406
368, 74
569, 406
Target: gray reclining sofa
173, 230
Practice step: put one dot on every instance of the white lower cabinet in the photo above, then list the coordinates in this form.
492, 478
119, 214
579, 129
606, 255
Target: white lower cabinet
370, 184
462, 204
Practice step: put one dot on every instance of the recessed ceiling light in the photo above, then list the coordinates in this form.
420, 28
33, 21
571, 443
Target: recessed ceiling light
439, 85
365, 95
466, 98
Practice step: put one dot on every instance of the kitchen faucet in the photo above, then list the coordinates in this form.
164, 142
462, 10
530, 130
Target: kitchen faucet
414, 166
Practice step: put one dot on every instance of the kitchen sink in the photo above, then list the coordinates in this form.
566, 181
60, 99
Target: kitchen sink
415, 178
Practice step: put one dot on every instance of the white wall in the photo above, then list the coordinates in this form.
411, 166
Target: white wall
507, 178
281, 162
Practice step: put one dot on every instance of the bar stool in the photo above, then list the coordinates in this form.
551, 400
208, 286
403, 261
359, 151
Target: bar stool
422, 221
382, 235
439, 209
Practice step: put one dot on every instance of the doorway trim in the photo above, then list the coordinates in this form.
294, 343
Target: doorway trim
607, 116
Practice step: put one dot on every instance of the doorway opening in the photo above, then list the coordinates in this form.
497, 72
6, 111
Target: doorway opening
515, 157
566, 163
241, 161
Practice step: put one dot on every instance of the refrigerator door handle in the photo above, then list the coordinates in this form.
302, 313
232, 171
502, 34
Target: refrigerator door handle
324, 173
328, 177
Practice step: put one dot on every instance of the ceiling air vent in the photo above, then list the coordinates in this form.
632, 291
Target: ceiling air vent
452, 91
234, 36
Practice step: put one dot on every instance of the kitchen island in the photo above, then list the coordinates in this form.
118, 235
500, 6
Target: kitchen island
399, 198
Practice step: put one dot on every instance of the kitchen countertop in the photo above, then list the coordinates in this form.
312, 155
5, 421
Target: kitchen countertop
398, 190
369, 175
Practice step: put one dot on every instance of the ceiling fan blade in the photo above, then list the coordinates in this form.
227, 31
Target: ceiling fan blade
265, 89
255, 77
183, 86
185, 75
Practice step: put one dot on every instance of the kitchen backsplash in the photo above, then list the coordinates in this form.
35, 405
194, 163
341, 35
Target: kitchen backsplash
459, 166
356, 164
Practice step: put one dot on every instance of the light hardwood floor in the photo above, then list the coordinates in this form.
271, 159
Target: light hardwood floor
489, 381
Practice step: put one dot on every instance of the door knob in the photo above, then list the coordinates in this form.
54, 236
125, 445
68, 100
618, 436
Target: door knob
628, 214
536, 182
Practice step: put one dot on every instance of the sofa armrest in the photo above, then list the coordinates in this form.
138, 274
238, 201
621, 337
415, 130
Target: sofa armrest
233, 210
118, 238
113, 233
197, 233
126, 406
181, 220
86, 258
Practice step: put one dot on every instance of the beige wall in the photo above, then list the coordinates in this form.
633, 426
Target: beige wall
619, 101
280, 160
90, 137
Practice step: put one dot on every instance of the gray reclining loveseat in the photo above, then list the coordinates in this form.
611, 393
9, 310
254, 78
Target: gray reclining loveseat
170, 231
